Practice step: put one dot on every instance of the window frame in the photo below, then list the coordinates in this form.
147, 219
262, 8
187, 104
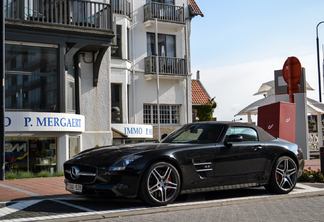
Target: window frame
118, 54
48, 75
169, 114
246, 136
151, 46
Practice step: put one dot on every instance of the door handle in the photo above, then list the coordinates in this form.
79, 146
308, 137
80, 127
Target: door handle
256, 148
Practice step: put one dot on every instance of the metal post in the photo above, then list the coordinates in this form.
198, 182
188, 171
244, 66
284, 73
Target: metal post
2, 95
322, 158
318, 63
157, 77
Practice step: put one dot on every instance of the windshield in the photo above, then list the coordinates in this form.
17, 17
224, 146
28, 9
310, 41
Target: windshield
195, 133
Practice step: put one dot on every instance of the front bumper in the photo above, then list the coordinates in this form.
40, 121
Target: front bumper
119, 185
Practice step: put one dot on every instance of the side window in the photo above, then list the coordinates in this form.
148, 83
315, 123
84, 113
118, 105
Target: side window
249, 134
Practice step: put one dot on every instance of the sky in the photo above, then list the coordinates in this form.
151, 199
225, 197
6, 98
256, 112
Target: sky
238, 45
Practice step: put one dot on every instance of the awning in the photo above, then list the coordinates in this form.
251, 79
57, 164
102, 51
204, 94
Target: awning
313, 107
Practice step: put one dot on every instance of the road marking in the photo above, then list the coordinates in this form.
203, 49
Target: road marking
17, 207
302, 189
72, 205
305, 189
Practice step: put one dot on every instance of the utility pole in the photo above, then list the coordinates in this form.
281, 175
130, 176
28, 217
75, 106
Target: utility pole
157, 77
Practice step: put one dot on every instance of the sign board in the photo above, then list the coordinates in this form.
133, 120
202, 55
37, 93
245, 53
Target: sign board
291, 72
135, 130
41, 121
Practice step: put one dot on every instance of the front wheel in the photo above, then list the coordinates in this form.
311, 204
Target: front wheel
283, 177
160, 184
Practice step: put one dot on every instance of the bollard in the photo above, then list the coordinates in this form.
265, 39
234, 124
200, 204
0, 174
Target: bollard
322, 158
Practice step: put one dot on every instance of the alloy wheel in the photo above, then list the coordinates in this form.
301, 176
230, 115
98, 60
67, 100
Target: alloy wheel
286, 174
163, 183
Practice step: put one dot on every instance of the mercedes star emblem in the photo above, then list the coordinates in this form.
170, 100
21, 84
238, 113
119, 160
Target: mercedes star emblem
75, 172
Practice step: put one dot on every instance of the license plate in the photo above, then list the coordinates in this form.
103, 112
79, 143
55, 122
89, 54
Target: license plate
74, 187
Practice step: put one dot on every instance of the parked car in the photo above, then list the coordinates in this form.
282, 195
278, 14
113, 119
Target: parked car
202, 156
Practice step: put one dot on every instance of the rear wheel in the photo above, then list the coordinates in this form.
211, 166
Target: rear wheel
283, 177
160, 184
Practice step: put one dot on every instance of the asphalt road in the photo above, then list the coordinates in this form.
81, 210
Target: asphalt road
305, 203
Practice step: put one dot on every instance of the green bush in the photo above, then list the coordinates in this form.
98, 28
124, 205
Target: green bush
12, 175
43, 174
23, 174
58, 174
310, 175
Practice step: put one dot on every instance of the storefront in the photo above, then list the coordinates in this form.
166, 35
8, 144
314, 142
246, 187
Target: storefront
32, 140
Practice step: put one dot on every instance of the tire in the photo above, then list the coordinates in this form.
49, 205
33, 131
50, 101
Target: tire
160, 184
283, 177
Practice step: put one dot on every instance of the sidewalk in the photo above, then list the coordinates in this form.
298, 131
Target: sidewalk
54, 186
31, 188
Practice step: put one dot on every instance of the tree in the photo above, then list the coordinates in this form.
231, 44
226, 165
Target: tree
205, 111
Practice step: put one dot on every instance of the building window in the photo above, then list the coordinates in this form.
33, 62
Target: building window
118, 36
70, 73
169, 114
30, 154
31, 77
166, 46
128, 45
116, 103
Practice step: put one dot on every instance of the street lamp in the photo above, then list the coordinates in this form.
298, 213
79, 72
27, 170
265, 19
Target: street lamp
318, 63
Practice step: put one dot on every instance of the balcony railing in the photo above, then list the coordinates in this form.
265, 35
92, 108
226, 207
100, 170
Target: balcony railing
121, 7
63, 12
164, 12
167, 66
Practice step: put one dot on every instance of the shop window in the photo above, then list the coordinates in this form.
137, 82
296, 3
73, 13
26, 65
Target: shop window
31, 77
31, 154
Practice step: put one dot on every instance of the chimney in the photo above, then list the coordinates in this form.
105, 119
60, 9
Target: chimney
198, 75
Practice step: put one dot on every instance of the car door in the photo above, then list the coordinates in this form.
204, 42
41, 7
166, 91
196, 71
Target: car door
198, 157
198, 166
242, 161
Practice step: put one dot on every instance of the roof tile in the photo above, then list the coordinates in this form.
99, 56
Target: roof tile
198, 93
195, 8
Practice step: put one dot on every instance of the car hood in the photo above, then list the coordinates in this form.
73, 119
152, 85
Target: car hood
110, 154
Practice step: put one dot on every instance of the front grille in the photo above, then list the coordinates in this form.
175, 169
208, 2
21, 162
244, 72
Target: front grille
83, 175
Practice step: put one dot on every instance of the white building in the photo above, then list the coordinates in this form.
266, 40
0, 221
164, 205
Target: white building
81, 74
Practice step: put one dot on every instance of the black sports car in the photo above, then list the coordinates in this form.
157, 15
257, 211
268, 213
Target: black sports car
198, 157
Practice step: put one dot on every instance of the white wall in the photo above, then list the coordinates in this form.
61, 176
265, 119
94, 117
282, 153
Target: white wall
95, 103
171, 91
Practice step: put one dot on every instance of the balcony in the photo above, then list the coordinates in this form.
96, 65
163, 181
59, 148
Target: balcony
166, 14
169, 68
121, 7
76, 14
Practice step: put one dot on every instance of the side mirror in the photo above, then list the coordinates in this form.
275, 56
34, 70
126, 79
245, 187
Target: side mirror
233, 138
163, 136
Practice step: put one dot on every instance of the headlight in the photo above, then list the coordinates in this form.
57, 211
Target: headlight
121, 164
